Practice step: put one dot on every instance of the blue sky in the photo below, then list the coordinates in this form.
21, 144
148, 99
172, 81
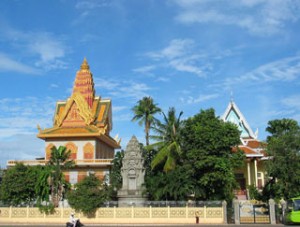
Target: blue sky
187, 54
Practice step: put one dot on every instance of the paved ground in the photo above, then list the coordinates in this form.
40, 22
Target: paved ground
148, 225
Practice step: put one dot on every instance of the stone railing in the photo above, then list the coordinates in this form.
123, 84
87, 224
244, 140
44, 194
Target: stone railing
78, 162
118, 215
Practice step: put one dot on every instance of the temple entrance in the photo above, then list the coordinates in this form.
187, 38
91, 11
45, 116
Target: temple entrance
254, 212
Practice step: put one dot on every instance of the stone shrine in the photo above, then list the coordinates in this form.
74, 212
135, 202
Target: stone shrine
133, 172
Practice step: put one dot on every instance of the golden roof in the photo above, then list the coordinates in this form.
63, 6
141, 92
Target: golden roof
83, 114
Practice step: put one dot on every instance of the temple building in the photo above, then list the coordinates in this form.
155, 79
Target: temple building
82, 124
254, 171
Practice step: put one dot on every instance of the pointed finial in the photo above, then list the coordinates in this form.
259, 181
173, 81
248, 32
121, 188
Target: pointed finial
231, 96
85, 65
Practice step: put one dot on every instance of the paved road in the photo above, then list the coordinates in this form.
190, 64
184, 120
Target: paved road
148, 225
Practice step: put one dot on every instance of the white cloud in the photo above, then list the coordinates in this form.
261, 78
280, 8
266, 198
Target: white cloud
46, 50
145, 69
122, 89
21, 116
162, 79
199, 99
11, 65
21, 147
179, 55
259, 17
176, 48
292, 102
285, 70
47, 47
87, 7
119, 108
106, 84
91, 4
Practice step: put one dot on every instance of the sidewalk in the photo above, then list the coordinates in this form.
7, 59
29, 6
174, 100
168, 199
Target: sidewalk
143, 225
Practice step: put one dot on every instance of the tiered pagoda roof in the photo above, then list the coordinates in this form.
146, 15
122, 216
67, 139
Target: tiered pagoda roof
83, 114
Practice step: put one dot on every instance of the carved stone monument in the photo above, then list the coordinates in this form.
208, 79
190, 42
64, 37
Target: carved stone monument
133, 172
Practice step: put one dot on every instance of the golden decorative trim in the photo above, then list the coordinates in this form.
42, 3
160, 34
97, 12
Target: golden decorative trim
83, 109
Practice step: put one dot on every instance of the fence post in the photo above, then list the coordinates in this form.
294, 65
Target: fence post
272, 211
236, 208
204, 212
186, 211
115, 212
224, 205
132, 211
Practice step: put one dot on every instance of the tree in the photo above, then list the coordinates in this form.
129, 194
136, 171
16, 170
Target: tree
168, 141
280, 127
208, 144
42, 188
173, 185
58, 162
115, 175
18, 185
284, 166
87, 195
144, 113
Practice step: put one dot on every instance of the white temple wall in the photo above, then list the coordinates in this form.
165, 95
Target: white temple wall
78, 143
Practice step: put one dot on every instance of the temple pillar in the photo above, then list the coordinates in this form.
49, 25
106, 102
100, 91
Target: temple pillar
255, 172
248, 172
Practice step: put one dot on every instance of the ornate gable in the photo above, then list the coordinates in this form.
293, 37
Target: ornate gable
234, 115
76, 112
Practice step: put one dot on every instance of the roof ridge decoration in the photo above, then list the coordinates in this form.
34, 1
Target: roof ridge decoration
234, 115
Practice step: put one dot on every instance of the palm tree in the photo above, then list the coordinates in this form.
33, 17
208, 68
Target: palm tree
144, 112
168, 140
59, 161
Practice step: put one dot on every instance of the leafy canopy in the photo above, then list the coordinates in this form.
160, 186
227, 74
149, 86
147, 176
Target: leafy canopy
18, 185
284, 167
208, 144
168, 141
144, 112
87, 195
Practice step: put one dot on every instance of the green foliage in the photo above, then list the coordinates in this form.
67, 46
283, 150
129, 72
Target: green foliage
173, 185
254, 193
144, 112
284, 166
58, 162
205, 162
87, 195
115, 175
207, 145
18, 185
280, 127
168, 141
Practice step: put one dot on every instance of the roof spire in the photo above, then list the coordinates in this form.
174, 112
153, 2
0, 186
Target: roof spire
231, 96
85, 65
84, 83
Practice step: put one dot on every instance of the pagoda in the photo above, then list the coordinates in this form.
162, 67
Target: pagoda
254, 171
82, 124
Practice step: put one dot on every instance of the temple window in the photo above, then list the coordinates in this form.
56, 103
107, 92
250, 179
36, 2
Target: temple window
88, 151
73, 148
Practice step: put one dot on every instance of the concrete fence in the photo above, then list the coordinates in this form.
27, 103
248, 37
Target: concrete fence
120, 215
